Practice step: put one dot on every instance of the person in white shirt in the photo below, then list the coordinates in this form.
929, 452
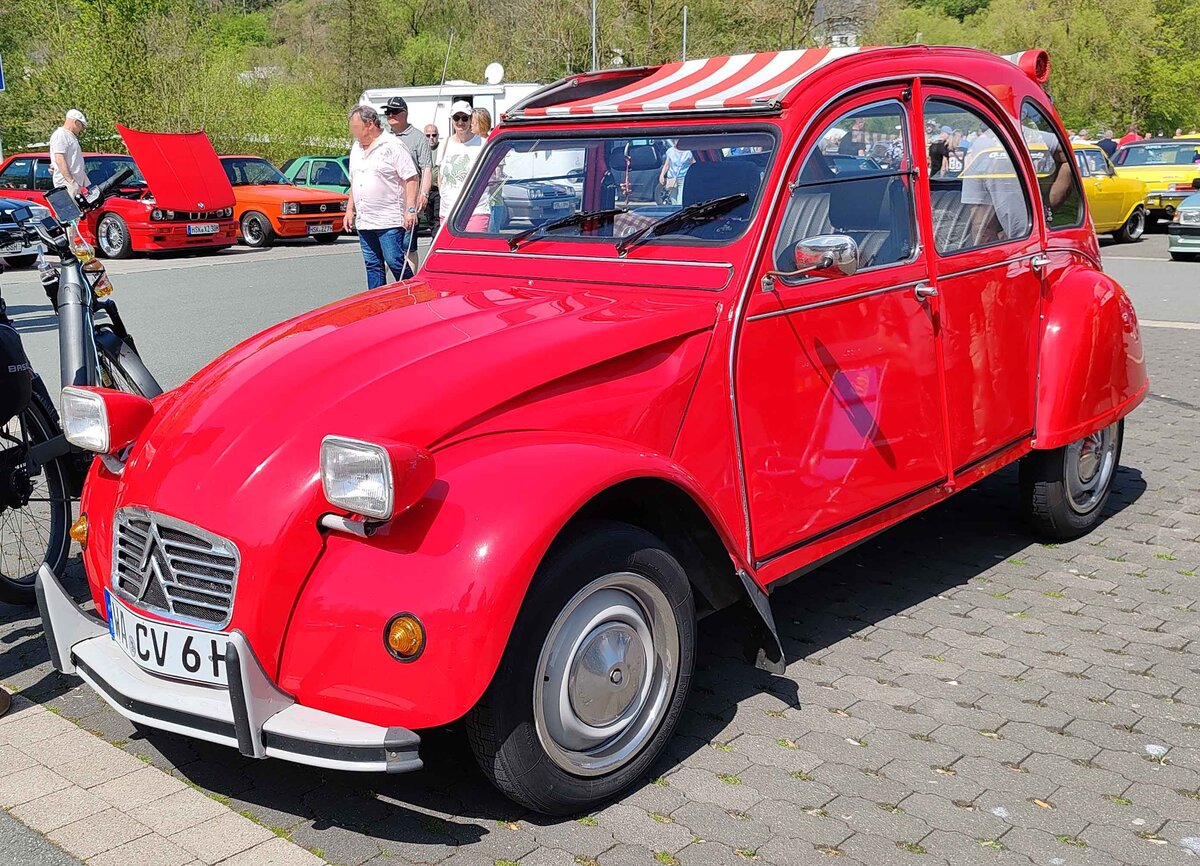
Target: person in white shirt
66, 157
457, 158
383, 196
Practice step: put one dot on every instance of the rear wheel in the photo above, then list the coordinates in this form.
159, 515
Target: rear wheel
36, 508
112, 236
1064, 490
595, 674
257, 231
1133, 229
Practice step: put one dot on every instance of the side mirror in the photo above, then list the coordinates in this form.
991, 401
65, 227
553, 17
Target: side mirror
820, 256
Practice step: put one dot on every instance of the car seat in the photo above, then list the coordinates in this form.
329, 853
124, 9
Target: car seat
705, 181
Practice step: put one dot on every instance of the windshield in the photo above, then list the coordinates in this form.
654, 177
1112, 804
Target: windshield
1167, 153
246, 170
532, 182
101, 168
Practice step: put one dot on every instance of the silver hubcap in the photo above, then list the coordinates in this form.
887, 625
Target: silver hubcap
111, 237
1089, 468
606, 674
1137, 224
252, 230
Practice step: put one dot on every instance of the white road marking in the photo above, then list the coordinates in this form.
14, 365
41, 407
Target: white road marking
1184, 326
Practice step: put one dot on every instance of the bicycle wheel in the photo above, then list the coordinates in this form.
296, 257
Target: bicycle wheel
37, 507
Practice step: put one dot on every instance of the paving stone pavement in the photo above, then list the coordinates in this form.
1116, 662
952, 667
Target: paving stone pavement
956, 692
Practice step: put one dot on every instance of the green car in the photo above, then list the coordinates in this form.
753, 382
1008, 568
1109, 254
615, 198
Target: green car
323, 172
333, 173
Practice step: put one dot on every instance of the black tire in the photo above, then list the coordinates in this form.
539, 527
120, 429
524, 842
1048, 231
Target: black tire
328, 238
112, 237
256, 230
509, 729
36, 532
1182, 257
1133, 229
1061, 498
21, 261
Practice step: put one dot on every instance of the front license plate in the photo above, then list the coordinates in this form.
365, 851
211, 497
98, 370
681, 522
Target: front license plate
561, 205
170, 650
11, 250
320, 229
203, 228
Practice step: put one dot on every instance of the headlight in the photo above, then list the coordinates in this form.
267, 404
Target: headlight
228, 212
169, 215
357, 476
535, 193
291, 207
85, 420
342, 206
156, 214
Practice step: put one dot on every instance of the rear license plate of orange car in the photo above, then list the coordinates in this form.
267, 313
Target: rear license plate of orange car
319, 229
203, 229
170, 650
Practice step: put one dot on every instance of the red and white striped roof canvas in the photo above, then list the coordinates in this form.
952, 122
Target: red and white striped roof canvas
705, 84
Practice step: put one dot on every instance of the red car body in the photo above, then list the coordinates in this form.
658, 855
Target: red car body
662, 385
178, 186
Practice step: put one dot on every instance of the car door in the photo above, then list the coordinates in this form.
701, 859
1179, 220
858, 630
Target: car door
1103, 192
16, 181
836, 377
986, 252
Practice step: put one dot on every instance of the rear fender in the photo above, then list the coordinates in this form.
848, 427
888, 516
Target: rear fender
1092, 369
461, 560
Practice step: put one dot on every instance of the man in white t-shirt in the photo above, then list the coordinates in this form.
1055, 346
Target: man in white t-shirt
456, 159
66, 157
383, 196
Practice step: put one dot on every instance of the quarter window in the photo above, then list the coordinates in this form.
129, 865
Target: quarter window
1061, 196
855, 181
16, 175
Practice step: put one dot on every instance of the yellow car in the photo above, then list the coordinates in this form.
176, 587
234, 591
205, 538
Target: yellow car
1167, 165
1117, 203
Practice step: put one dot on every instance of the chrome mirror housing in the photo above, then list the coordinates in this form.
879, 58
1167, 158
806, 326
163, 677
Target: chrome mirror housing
819, 256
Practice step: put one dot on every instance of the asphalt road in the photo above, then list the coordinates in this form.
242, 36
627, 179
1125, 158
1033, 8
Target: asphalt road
184, 311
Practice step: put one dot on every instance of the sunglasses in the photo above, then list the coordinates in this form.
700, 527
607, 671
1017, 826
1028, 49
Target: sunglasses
461, 118
431, 135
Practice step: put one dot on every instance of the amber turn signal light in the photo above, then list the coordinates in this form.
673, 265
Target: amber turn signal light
79, 530
404, 637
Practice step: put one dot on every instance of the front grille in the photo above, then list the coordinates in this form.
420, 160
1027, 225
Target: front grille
199, 215
166, 565
330, 207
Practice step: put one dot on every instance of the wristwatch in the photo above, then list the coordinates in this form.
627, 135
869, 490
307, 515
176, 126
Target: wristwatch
412, 210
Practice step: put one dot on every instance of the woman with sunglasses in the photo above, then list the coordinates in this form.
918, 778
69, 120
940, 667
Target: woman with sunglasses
458, 156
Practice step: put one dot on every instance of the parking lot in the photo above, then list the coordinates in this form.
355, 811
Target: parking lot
955, 691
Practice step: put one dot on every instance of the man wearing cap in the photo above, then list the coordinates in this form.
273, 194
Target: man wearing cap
383, 194
66, 157
396, 112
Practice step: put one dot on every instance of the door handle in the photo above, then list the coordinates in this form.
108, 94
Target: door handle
1039, 261
923, 291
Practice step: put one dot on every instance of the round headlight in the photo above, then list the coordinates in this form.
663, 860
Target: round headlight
156, 214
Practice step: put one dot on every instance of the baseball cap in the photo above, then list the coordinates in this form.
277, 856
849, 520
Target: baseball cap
395, 105
946, 130
76, 114
460, 106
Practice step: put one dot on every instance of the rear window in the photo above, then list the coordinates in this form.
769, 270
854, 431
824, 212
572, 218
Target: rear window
1166, 153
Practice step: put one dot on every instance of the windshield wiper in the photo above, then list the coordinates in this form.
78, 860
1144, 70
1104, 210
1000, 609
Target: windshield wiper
578, 218
700, 212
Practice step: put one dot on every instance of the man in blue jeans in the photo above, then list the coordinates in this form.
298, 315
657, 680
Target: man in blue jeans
383, 196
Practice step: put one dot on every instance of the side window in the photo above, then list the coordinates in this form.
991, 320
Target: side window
855, 181
1083, 163
1061, 195
1099, 164
302, 174
326, 171
41, 176
16, 175
975, 193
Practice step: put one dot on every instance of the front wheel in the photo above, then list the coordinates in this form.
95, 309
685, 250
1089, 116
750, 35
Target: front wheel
257, 231
36, 510
1064, 490
112, 236
1133, 229
595, 675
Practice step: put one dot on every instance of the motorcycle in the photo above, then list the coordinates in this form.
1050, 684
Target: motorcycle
40, 473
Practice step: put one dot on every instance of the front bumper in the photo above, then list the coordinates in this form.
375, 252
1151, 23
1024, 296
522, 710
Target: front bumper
252, 715
1183, 238
298, 226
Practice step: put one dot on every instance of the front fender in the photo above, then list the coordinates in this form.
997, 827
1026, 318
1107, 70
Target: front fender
461, 561
1092, 369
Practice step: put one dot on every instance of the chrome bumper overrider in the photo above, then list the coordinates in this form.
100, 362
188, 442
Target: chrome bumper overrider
252, 715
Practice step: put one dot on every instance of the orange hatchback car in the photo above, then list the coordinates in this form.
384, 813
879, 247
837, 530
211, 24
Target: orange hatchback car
268, 206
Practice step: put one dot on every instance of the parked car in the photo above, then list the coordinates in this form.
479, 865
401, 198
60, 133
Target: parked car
176, 199
504, 491
1183, 234
331, 173
1167, 166
18, 254
1117, 204
268, 207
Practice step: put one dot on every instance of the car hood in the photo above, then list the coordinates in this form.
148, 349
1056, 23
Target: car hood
235, 450
1160, 175
181, 169
285, 192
